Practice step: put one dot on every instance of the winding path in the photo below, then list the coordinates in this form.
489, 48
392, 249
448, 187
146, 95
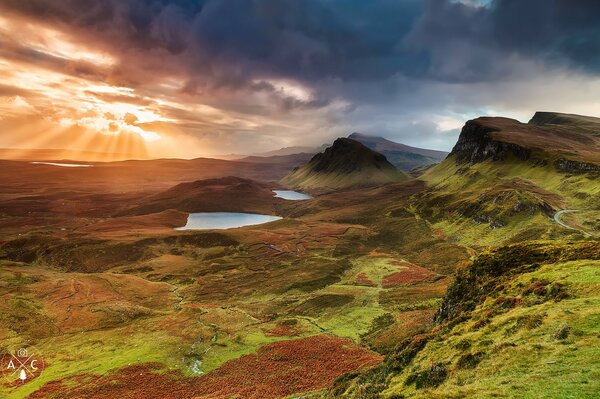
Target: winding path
557, 216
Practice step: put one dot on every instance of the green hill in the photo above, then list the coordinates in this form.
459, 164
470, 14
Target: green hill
504, 180
347, 163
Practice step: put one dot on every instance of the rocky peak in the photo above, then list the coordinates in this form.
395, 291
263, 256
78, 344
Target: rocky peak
346, 156
476, 142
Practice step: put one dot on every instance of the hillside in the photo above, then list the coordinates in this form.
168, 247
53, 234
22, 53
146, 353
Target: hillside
402, 156
347, 163
520, 318
520, 321
228, 194
570, 143
505, 180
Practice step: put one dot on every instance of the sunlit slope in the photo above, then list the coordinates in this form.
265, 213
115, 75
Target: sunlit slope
347, 163
522, 321
532, 334
505, 180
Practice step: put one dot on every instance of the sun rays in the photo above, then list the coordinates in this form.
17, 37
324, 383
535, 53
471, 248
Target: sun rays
55, 104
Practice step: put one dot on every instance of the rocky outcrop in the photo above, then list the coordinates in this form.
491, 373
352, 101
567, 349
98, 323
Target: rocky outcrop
476, 144
570, 166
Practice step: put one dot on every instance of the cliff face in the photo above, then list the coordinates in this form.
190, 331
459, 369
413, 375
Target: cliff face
476, 143
570, 142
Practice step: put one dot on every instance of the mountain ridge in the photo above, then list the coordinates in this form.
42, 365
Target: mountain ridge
570, 142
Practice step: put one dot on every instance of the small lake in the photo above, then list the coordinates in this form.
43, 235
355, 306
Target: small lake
224, 220
291, 195
64, 165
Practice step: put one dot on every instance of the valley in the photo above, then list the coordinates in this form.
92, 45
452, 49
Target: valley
473, 279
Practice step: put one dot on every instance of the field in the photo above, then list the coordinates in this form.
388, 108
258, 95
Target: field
108, 290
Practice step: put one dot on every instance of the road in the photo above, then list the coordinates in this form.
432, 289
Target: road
557, 216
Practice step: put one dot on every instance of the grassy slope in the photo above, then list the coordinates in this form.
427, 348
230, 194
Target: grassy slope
494, 189
520, 322
535, 346
511, 344
306, 179
347, 163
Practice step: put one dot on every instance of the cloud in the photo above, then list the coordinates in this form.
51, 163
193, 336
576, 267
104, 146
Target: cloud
291, 72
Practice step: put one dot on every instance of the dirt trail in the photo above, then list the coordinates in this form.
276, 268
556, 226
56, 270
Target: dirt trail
557, 216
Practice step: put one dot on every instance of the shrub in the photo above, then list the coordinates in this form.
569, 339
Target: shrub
463, 345
562, 332
430, 378
470, 360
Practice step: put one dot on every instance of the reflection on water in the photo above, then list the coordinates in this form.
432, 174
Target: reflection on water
224, 220
64, 165
291, 195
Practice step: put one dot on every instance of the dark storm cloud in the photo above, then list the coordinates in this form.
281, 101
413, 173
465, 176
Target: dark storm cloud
383, 63
350, 40
564, 33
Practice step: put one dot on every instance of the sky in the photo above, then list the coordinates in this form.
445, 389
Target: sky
183, 78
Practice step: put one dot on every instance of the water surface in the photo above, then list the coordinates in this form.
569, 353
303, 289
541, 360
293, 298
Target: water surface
291, 195
224, 220
64, 165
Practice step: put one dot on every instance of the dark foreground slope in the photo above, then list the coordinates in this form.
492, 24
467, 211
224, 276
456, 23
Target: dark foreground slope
347, 163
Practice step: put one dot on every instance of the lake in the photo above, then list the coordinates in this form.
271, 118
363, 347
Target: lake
224, 220
64, 165
291, 195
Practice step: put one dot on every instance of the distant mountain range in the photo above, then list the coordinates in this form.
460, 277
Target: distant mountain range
292, 150
347, 163
402, 156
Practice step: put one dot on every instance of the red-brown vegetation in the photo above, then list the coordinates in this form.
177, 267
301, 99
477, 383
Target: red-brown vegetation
363, 279
276, 370
284, 330
412, 274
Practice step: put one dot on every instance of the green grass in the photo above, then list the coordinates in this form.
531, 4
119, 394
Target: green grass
374, 267
494, 203
520, 359
352, 319
99, 352
578, 191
